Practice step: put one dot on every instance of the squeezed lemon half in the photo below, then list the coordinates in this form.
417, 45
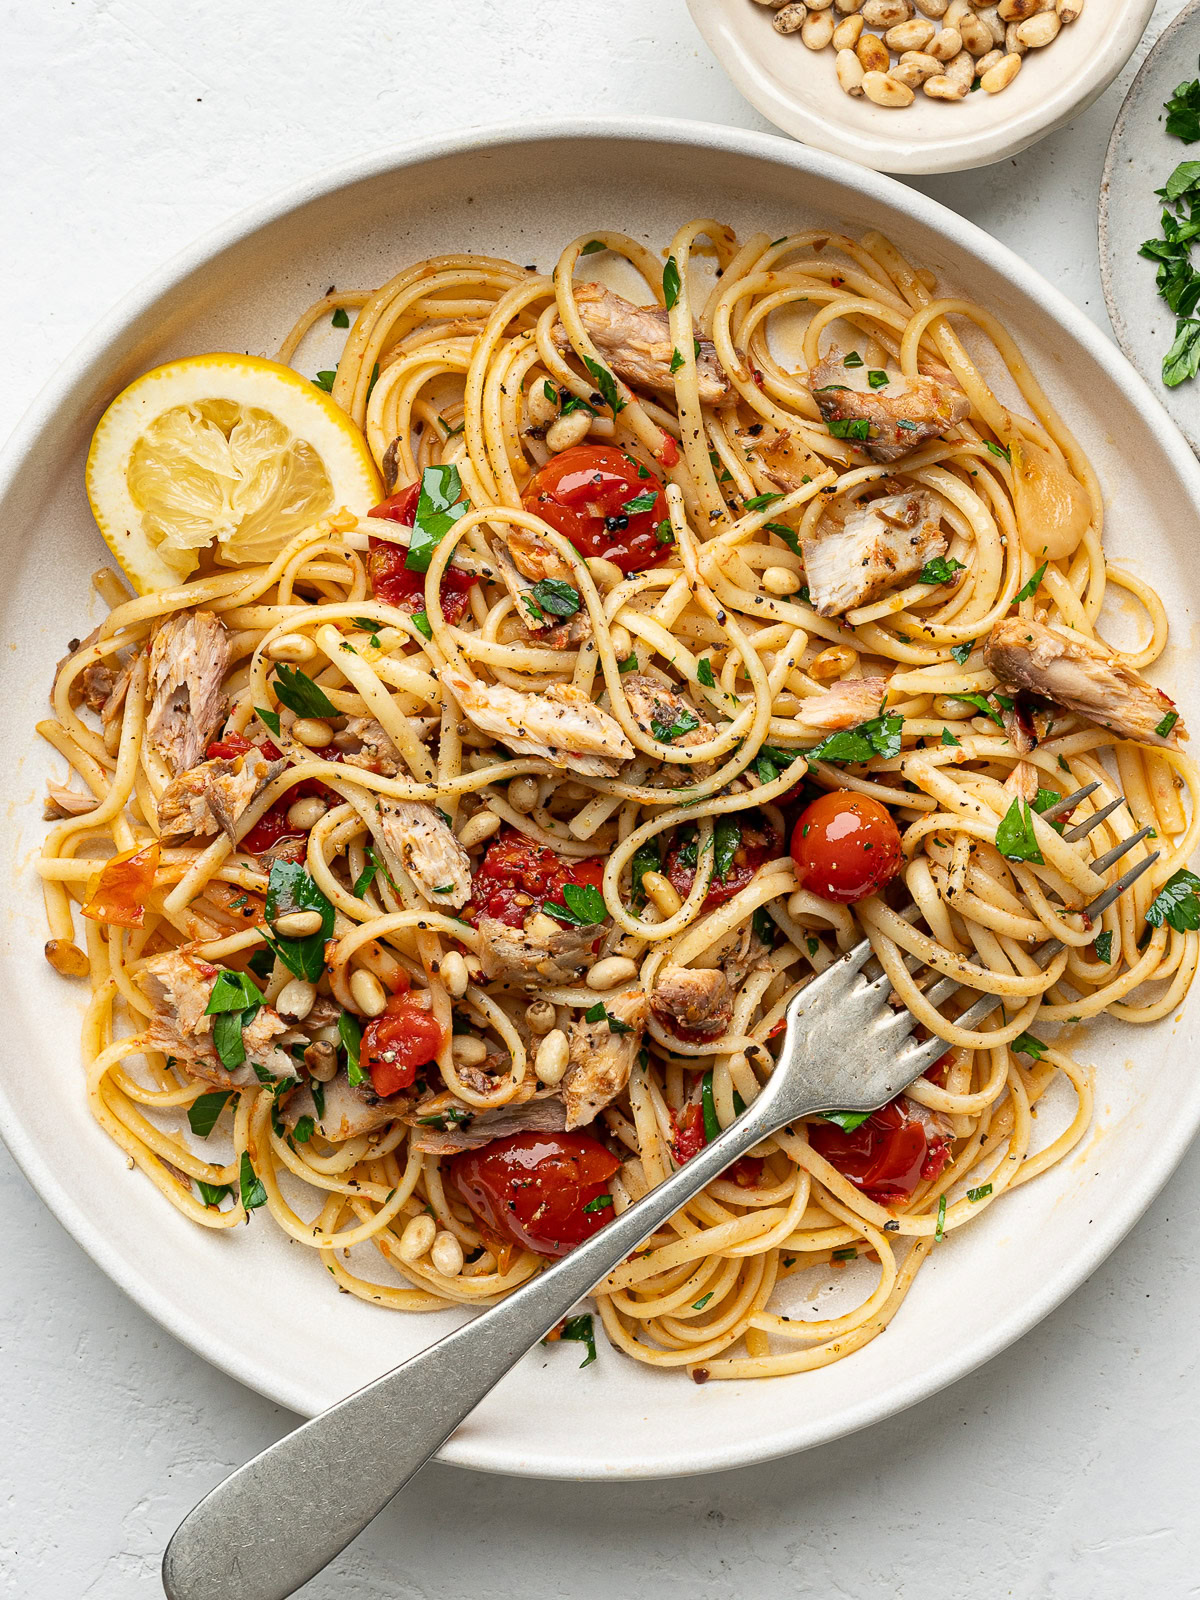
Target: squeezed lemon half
227, 452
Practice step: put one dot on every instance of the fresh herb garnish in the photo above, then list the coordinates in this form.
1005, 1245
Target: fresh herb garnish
298, 692
601, 1203
704, 673
982, 703
941, 570
727, 836
981, 1193
664, 533
682, 721
584, 906
671, 282
1167, 723
630, 663
1176, 903
212, 1193
1029, 1045
579, 1330
852, 360
606, 384
699, 1305
877, 379
881, 736
639, 503
676, 362
420, 621
1183, 112
1104, 946
204, 1111
1015, 838
375, 863
771, 761
593, 247
849, 428
350, 1033
268, 718
646, 858
598, 1013
291, 889
439, 506
304, 1129
325, 380
948, 738
339, 318
708, 1108
760, 502
960, 652
847, 1121
1030, 589
252, 1189
941, 1220
1000, 450
556, 597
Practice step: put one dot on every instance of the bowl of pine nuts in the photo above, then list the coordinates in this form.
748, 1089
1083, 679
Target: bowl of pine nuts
921, 86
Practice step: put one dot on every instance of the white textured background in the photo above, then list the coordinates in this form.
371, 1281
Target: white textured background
1067, 1467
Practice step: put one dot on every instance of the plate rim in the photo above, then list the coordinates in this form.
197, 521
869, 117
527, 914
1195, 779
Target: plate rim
473, 1451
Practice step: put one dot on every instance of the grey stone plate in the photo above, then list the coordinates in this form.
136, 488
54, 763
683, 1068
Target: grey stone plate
1141, 156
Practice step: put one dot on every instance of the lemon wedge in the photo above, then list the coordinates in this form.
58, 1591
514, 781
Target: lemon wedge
228, 452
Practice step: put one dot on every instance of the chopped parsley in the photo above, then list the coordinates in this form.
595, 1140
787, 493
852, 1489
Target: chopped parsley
852, 360
847, 1121
671, 282
639, 503
941, 1220
1029, 1045
579, 1330
761, 501
291, 889
583, 906
771, 761
1015, 838
982, 703
981, 1193
1104, 943
1031, 588
708, 1108
676, 362
1167, 723
682, 721
881, 736
727, 836
699, 1305
593, 247
646, 858
350, 1033
439, 506
948, 738
601, 1203
877, 379
253, 1192
941, 570
1000, 450
664, 533
1177, 903
420, 621
606, 384
849, 427
704, 673
304, 1130
599, 1013
339, 318
556, 597
298, 692
268, 718
325, 380
204, 1111
960, 652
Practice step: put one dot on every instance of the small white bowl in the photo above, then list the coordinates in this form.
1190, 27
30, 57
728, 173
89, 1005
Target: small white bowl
798, 90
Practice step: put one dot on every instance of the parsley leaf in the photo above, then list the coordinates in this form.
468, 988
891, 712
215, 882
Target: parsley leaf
1000, 450
339, 318
960, 652
941, 570
699, 1305
849, 428
253, 1191
877, 379
948, 738
771, 761
579, 1330
1104, 946
630, 663
683, 721
708, 1107
606, 384
880, 736
676, 362
760, 502
593, 247
646, 858
325, 380
375, 863
298, 692
1015, 838
1030, 589
556, 597
304, 1130
941, 1220
671, 282
601, 1203
584, 905
1176, 903
847, 1121
982, 703
233, 991
420, 621
268, 718
350, 1033
204, 1111
212, 1193
599, 1013
291, 889
1183, 112
981, 1193
639, 503
852, 360
439, 506
1167, 723
664, 533
704, 673
1029, 1045
727, 836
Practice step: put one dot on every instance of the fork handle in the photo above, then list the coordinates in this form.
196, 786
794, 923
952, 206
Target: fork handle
274, 1523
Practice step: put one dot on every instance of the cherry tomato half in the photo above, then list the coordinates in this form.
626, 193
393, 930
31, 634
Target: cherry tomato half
535, 1188
886, 1156
516, 875
586, 493
393, 583
395, 1044
123, 887
845, 846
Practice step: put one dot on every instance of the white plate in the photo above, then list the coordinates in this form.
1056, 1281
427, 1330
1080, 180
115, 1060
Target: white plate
1141, 157
262, 1308
798, 90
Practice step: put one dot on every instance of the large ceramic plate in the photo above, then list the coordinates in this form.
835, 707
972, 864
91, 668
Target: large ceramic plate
262, 1308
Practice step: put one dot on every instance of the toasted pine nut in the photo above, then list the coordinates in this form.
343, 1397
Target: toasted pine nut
567, 431
609, 972
291, 647
943, 88
1012, 40
540, 409
847, 33
991, 19
985, 63
478, 828
539, 1017
298, 924
1001, 75
67, 958
1068, 10
306, 813
552, 1059
886, 13
962, 69
906, 73
818, 5
321, 1060
312, 732
454, 974
605, 574
782, 580
885, 90
446, 1255
1018, 10
418, 1235
913, 35
933, 8
367, 992
1035, 32
523, 794
790, 19
817, 31
923, 65
958, 9
296, 999
872, 53
832, 663
849, 72
944, 45
468, 1051
662, 891
847, 8
976, 36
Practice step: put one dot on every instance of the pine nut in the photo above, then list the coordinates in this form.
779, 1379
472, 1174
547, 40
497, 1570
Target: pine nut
962, 69
885, 90
933, 8
921, 62
609, 972
540, 410
782, 580
367, 992
305, 814
790, 19
605, 574
291, 647
662, 891
985, 63
1069, 10
567, 432
67, 958
1036, 32
454, 974
523, 794
1012, 40
296, 999
321, 1060
872, 53
885, 13
1018, 10
552, 1059
976, 37
447, 1255
848, 8
944, 45
418, 1235
847, 33
991, 19
818, 5
478, 828
312, 732
849, 71
832, 663
909, 75
621, 642
914, 35
1001, 75
943, 88
298, 924
957, 11
817, 31
468, 1051
539, 1017
542, 927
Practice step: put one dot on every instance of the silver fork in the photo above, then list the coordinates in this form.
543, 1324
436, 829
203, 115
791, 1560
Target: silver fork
274, 1523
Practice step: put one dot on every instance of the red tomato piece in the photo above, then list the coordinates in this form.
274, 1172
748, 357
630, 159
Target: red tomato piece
688, 1132
667, 454
885, 1156
393, 583
231, 745
534, 1188
845, 846
583, 493
272, 827
759, 843
122, 888
395, 1044
516, 875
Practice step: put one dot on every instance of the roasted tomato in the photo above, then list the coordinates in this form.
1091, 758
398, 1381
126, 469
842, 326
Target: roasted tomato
886, 1156
395, 1044
273, 826
231, 745
845, 846
516, 875
535, 1188
586, 493
393, 583
123, 886
756, 841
